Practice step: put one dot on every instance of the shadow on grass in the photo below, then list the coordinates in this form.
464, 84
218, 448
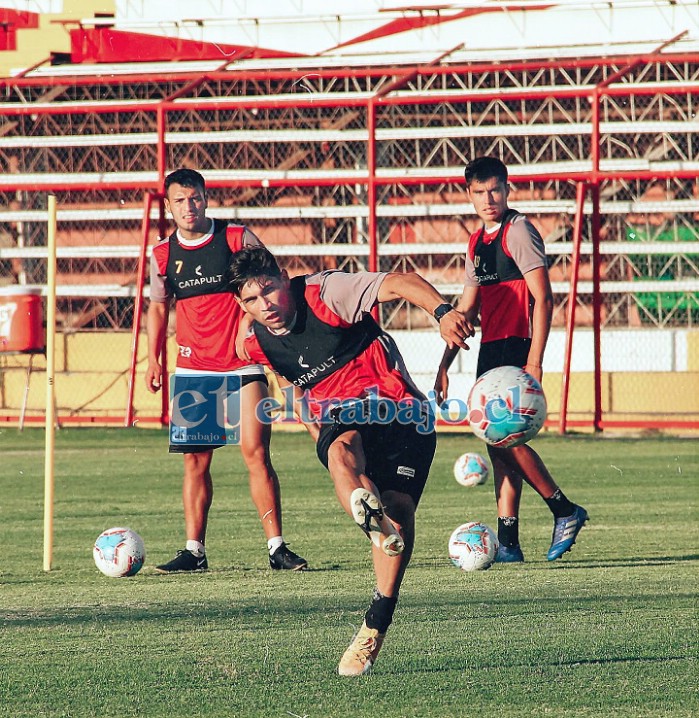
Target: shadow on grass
569, 562
257, 613
225, 570
251, 614
452, 664
623, 562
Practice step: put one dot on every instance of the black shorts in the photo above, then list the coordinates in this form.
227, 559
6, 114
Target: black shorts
245, 379
513, 351
398, 456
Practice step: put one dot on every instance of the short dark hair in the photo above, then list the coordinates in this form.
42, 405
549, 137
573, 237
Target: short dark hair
248, 264
485, 168
186, 178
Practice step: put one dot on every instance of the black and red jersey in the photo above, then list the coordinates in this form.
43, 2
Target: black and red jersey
326, 352
207, 313
496, 262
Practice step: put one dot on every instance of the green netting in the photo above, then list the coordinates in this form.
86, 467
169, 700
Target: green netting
661, 267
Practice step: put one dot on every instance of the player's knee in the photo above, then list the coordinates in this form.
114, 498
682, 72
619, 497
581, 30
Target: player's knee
400, 508
344, 450
498, 454
257, 458
197, 465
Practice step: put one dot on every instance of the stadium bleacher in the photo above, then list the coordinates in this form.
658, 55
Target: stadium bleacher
347, 149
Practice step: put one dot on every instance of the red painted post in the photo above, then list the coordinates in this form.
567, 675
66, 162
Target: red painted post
572, 297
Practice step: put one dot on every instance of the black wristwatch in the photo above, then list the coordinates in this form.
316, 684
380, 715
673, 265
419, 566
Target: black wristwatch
441, 310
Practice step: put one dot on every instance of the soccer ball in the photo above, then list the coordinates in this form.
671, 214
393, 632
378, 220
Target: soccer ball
119, 552
471, 469
473, 547
506, 407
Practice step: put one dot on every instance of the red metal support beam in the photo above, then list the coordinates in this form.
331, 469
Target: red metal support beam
342, 73
404, 78
596, 305
396, 84
371, 187
198, 81
161, 122
643, 60
138, 306
165, 381
596, 296
308, 100
580, 191
155, 185
595, 151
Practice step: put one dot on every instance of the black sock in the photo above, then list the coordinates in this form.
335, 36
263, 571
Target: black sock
380, 613
560, 506
508, 531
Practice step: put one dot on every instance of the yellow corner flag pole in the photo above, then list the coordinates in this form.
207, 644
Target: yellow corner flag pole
50, 389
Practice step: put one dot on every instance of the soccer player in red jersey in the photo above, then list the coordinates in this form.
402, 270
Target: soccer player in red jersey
189, 266
373, 428
507, 284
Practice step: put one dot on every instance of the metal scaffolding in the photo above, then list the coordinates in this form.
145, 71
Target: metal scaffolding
363, 168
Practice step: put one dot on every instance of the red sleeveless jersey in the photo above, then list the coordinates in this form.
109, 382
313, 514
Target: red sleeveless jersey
207, 314
496, 262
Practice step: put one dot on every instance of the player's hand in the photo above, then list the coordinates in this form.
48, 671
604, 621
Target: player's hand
441, 386
535, 370
154, 377
456, 329
240, 349
244, 329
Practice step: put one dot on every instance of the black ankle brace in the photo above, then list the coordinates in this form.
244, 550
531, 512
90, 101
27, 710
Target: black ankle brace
380, 613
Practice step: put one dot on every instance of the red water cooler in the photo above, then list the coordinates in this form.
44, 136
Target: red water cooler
21, 319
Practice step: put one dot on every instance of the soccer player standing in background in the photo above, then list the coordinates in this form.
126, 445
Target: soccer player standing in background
507, 284
375, 433
190, 266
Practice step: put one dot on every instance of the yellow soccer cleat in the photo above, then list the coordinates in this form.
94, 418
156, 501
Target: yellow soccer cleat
362, 652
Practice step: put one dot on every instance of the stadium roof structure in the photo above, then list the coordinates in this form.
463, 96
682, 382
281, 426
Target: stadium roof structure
160, 86
163, 36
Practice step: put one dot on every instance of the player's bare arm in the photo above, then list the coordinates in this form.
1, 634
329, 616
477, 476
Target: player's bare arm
243, 330
156, 325
468, 305
540, 288
453, 326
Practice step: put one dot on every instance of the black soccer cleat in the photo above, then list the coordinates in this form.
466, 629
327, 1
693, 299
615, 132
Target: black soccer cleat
184, 561
285, 558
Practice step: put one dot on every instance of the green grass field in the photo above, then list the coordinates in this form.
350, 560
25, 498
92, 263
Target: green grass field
609, 630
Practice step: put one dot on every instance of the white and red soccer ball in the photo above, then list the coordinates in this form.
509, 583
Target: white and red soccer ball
473, 546
119, 552
506, 407
471, 469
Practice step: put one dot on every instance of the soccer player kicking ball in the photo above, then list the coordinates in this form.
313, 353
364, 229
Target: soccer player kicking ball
373, 429
507, 283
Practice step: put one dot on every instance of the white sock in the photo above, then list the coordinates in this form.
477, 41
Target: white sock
195, 547
274, 543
